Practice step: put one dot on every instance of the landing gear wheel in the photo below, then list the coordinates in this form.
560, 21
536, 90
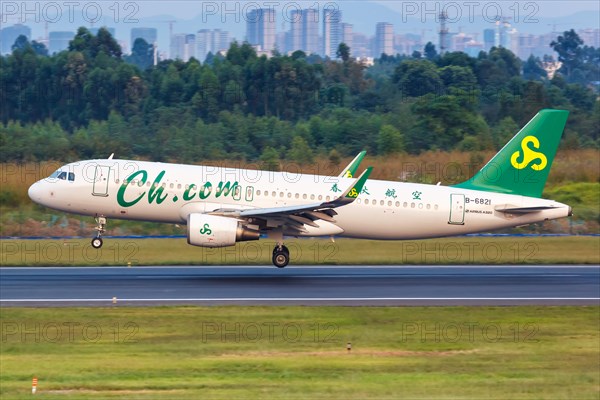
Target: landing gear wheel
97, 242
281, 258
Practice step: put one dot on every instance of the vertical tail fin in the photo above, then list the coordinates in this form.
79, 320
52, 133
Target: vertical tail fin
522, 166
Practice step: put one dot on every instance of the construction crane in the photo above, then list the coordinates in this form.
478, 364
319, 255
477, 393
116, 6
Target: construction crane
171, 22
554, 25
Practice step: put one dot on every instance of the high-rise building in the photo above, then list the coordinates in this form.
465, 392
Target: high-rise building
590, 37
59, 41
489, 39
211, 41
384, 39
502, 38
203, 44
9, 35
361, 45
294, 39
348, 36
304, 31
407, 43
183, 47
148, 34
220, 41
332, 31
310, 28
260, 28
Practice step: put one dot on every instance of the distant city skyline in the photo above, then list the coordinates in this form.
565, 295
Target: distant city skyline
314, 31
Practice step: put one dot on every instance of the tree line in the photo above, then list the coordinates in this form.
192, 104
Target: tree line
90, 101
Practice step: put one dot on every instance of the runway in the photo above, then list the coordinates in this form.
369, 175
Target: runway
300, 285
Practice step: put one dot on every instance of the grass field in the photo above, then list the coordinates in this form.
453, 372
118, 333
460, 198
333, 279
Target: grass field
301, 352
462, 250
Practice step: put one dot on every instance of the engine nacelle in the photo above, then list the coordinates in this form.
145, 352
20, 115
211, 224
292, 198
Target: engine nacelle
213, 231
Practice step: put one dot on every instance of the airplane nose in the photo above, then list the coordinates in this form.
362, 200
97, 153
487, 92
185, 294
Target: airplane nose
35, 192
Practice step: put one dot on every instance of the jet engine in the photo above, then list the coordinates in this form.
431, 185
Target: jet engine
213, 231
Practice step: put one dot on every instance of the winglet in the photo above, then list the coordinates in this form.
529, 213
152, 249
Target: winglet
351, 168
355, 190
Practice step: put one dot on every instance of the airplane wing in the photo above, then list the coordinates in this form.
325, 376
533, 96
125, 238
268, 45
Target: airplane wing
351, 168
296, 216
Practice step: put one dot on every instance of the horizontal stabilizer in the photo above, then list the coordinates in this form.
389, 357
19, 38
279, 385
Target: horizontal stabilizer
507, 208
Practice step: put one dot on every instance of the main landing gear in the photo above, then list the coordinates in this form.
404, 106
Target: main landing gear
281, 256
100, 229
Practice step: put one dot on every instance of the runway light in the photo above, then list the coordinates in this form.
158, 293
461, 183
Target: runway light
33, 385
115, 300
349, 347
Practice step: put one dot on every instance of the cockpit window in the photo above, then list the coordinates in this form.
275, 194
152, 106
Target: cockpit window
63, 175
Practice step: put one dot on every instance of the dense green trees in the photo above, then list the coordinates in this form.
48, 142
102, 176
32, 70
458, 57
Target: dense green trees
91, 101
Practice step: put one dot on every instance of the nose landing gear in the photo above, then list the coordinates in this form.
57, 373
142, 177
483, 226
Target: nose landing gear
100, 229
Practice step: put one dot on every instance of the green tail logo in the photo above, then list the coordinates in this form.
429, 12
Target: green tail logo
522, 166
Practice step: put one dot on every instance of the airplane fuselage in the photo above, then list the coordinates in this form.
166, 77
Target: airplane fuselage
168, 193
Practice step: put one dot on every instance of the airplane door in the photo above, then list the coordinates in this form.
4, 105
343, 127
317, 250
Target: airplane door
101, 180
457, 209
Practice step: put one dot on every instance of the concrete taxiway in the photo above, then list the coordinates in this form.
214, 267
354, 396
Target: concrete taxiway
300, 285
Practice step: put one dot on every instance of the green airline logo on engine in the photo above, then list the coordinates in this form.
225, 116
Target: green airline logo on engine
206, 230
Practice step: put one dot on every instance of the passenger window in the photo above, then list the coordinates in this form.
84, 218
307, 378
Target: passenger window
280, 194
320, 197
258, 192
179, 186
435, 207
428, 206
274, 194
304, 196
405, 204
397, 204
312, 196
366, 201
412, 205
297, 196
389, 203
266, 193
289, 195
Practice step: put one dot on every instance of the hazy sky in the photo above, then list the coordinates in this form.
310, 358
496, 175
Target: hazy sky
186, 9
363, 15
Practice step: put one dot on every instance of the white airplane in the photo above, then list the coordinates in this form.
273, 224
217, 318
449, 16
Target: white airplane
223, 206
